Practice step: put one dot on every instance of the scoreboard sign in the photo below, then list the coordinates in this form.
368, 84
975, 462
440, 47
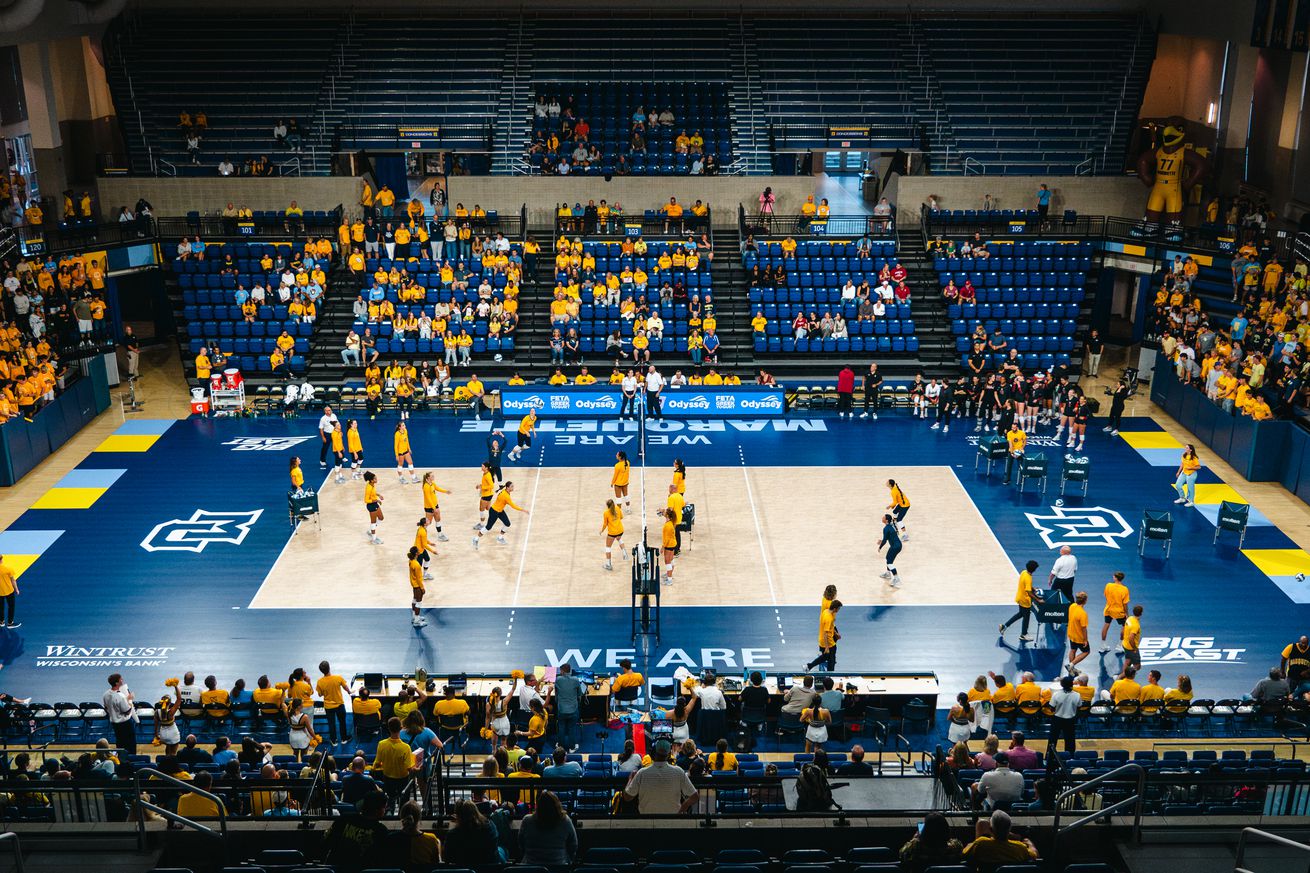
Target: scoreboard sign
846, 137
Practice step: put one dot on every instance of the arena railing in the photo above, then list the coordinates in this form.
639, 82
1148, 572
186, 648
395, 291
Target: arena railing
58, 238
1071, 793
1249, 835
762, 225
171, 816
652, 226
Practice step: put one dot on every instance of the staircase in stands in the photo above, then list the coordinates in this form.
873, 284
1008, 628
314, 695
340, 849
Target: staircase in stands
333, 98
750, 124
937, 355
926, 92
514, 101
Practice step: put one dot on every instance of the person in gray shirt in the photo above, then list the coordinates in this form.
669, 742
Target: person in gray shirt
560, 767
831, 697
546, 835
1273, 688
569, 695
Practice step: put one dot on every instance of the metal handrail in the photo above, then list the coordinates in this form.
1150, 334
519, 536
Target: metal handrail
973, 163
167, 168
1134, 801
221, 833
1247, 835
1085, 168
11, 837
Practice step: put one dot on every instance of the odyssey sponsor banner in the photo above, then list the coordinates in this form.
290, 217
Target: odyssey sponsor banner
603, 400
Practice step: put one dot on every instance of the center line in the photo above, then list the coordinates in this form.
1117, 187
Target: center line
527, 532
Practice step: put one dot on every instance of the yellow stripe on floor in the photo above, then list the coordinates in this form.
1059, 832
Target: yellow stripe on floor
20, 563
1150, 439
1217, 492
127, 443
1279, 562
69, 498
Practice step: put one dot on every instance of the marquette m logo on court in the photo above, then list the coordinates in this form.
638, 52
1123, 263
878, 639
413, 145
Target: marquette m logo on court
201, 529
1080, 526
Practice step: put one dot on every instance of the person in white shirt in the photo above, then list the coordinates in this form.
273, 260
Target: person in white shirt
1063, 572
629, 386
280, 132
679, 380
1064, 708
119, 704
328, 422
655, 326
848, 290
654, 385
661, 788
225, 168
189, 691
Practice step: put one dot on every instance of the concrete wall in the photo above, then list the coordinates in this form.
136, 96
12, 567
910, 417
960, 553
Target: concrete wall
1090, 195
1185, 77
636, 193
180, 195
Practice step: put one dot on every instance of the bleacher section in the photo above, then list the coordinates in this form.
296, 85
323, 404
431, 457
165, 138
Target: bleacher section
698, 108
1040, 95
213, 317
1013, 95
814, 281
422, 71
243, 71
428, 277
836, 71
1032, 291
596, 321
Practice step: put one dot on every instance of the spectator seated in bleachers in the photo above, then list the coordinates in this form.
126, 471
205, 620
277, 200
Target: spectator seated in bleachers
1027, 293
628, 299
606, 129
817, 297
451, 308
255, 304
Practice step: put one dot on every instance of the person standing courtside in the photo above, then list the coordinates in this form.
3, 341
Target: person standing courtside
828, 637
1064, 717
654, 385
334, 691
1063, 572
1296, 663
118, 703
1023, 597
326, 425
872, 398
1018, 441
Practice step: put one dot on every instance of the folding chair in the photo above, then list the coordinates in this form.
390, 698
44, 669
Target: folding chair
1156, 525
1075, 469
1234, 517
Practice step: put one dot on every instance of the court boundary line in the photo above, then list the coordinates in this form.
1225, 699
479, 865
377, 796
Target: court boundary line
759, 536
983, 519
281, 553
527, 532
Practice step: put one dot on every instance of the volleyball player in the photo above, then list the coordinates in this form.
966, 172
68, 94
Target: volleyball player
422, 543
355, 446
1079, 646
678, 504
945, 406
498, 513
527, 427
1020, 393
1116, 607
416, 577
1061, 400
931, 394
900, 507
619, 479
297, 475
669, 543
495, 448
680, 476
611, 527
486, 487
338, 441
988, 400
373, 503
1185, 478
892, 541
1082, 413
829, 595
1041, 399
431, 508
918, 407
403, 454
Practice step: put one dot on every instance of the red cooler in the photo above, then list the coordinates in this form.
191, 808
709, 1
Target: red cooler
232, 378
216, 382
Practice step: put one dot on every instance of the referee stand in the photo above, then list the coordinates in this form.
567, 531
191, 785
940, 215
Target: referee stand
645, 592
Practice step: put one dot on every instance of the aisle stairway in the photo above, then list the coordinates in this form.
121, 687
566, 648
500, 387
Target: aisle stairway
932, 326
